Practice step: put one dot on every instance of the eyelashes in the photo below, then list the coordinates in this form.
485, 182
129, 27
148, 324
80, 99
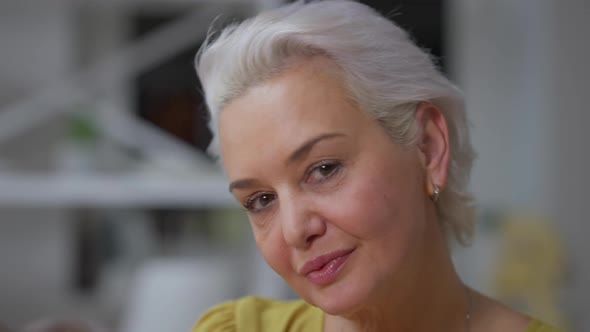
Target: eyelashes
259, 201
322, 171
317, 174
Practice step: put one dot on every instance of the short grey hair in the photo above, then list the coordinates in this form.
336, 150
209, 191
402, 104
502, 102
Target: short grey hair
383, 70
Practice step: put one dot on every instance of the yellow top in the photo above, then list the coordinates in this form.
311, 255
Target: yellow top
264, 315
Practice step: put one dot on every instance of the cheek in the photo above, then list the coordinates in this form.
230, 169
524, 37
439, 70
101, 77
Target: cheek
377, 204
367, 207
376, 207
274, 250
276, 253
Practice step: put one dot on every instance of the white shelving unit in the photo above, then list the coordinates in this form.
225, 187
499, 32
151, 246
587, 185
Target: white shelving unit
112, 191
195, 186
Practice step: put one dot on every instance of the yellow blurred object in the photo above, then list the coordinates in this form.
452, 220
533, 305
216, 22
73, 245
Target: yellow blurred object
529, 267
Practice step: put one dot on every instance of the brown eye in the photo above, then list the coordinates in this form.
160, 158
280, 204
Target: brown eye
259, 201
265, 200
326, 170
323, 171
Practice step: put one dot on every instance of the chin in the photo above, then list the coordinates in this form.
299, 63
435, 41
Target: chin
339, 299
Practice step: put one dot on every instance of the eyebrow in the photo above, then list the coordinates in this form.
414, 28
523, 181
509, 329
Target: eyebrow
298, 154
306, 147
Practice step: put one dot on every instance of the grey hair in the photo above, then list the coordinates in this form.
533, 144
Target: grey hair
384, 71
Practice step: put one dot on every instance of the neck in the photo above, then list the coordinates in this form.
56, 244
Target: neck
431, 297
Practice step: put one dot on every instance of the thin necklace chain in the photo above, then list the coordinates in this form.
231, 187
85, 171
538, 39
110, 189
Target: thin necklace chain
467, 315
469, 310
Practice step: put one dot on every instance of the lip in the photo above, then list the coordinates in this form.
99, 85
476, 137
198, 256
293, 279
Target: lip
325, 268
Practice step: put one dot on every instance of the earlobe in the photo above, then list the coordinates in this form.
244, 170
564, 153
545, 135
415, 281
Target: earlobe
433, 145
433, 191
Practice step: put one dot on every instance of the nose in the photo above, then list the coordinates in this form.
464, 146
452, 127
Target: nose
301, 221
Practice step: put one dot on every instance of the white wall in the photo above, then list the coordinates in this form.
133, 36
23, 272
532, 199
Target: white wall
570, 70
36, 43
524, 68
499, 57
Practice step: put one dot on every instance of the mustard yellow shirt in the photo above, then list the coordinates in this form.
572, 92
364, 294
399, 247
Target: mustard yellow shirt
255, 314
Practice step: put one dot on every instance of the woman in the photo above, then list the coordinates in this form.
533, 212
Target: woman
351, 154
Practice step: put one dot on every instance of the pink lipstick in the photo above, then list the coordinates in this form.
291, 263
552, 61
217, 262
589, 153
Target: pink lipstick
324, 269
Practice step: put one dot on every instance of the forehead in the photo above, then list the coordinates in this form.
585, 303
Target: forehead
273, 118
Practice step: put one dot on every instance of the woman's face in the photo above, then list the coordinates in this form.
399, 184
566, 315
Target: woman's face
337, 209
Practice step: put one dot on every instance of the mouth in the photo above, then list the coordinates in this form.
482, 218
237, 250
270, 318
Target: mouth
324, 269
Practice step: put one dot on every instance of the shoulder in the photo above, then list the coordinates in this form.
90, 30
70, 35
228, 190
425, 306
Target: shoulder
260, 314
220, 318
536, 325
492, 315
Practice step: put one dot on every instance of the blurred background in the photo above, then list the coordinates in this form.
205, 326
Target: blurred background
111, 213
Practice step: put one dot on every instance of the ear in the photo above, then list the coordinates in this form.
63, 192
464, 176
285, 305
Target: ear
433, 144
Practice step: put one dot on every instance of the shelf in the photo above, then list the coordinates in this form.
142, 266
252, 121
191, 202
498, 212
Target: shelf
112, 191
